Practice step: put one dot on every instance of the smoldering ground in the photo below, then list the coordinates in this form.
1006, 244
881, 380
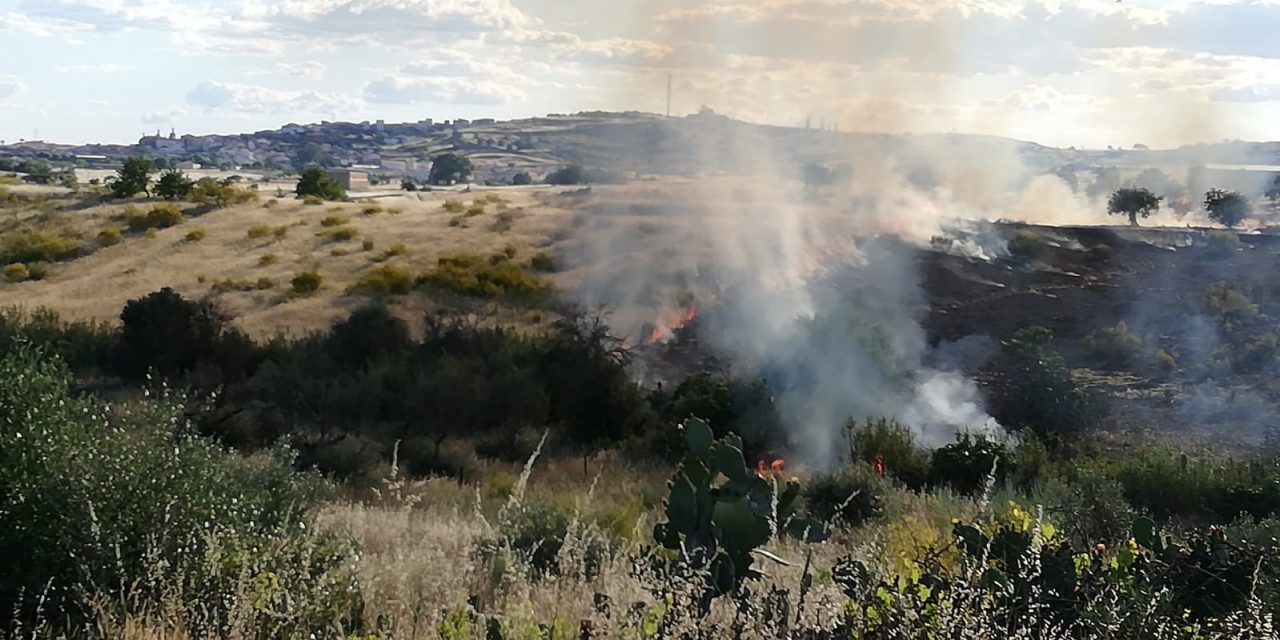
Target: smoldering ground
810, 285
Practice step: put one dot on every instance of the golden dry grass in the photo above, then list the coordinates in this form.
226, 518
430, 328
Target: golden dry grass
98, 285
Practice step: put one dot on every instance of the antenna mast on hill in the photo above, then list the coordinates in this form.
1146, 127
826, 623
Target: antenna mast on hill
668, 95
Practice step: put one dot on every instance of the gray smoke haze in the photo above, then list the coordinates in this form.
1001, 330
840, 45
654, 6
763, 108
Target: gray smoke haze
816, 290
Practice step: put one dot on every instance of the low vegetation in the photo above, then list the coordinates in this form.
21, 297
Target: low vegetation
160, 216
967, 539
305, 283
30, 244
486, 277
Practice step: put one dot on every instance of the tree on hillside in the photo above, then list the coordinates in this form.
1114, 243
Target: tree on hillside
572, 174
310, 154
1273, 191
220, 194
450, 168
174, 185
521, 179
1227, 208
315, 182
1133, 202
133, 178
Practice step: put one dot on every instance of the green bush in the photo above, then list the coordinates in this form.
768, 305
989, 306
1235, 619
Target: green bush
848, 497
37, 270
1222, 244
268, 259
195, 235
339, 234
966, 464
542, 262
371, 209
1089, 508
334, 220
1043, 397
164, 335
1231, 307
229, 285
1166, 484
1028, 245
161, 216
135, 509
1114, 348
454, 206
475, 275
394, 251
28, 245
383, 281
312, 201
420, 457
315, 184
109, 237
221, 194
16, 272
306, 283
367, 245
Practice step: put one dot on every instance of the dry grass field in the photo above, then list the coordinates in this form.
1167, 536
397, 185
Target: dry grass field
340, 241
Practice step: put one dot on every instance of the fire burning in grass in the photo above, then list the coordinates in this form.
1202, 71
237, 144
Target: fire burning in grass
665, 327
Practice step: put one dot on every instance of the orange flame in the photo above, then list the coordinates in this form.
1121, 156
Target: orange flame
777, 467
664, 327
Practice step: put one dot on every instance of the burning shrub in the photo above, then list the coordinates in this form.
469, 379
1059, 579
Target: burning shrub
891, 449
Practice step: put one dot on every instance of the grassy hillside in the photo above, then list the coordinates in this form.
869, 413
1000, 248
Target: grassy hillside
260, 247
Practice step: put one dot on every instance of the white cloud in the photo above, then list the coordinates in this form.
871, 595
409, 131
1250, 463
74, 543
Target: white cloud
11, 86
399, 89
230, 97
310, 70
164, 116
106, 67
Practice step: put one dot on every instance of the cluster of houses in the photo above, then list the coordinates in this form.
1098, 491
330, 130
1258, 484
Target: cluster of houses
364, 146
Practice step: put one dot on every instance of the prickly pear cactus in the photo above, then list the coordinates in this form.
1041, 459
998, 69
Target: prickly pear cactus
719, 511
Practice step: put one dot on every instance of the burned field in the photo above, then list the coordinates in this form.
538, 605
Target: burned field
1169, 331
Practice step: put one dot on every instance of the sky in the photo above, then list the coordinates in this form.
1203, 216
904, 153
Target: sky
1086, 73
